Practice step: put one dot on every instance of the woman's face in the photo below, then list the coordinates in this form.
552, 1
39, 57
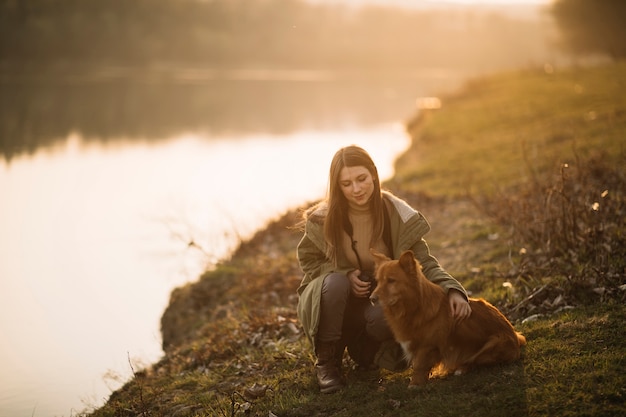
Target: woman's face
357, 184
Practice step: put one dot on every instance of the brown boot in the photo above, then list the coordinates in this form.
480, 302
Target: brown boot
328, 373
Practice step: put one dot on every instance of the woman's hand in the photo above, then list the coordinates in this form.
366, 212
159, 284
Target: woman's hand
360, 289
459, 307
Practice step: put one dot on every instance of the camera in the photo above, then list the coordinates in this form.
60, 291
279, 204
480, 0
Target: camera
368, 277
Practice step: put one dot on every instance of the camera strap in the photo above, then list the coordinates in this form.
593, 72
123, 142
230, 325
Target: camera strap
347, 225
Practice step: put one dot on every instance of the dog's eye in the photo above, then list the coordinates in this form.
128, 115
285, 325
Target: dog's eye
391, 280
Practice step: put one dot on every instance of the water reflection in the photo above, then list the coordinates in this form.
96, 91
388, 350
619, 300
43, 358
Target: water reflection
144, 107
94, 237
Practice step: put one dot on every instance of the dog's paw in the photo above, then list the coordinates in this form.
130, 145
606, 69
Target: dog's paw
459, 372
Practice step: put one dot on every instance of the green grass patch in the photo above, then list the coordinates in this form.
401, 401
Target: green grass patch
578, 363
501, 130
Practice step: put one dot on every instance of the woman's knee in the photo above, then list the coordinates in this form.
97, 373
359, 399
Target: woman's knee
336, 287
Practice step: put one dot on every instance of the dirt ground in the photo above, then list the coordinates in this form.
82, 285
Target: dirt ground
461, 236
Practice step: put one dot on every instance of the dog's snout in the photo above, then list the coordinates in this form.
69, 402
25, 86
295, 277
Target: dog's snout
374, 299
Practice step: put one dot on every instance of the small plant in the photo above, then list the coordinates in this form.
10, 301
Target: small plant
568, 226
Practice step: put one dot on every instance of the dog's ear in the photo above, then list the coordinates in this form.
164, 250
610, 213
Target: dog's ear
407, 263
379, 258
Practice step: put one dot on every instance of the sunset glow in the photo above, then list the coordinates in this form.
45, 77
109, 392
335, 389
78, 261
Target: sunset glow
432, 3
440, 4
500, 1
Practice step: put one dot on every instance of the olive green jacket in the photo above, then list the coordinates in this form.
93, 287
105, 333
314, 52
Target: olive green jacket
408, 227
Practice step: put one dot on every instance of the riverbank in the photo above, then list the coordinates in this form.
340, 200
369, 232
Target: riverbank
232, 340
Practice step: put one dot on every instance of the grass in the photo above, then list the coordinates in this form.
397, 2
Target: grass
573, 365
501, 130
581, 370
232, 340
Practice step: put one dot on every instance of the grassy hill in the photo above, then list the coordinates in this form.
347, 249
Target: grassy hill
522, 177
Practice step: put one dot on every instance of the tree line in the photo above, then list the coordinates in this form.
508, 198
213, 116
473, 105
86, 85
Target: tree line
293, 33
258, 33
592, 26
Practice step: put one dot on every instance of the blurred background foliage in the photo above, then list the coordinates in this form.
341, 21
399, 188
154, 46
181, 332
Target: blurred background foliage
293, 33
261, 33
592, 26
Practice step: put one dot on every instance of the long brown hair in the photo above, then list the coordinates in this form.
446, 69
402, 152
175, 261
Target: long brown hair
337, 216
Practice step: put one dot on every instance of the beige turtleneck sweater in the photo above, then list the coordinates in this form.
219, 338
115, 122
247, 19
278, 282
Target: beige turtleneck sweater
361, 220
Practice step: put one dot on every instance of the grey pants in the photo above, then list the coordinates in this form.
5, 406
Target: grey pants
345, 317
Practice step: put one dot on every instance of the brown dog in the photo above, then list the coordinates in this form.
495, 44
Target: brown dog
418, 313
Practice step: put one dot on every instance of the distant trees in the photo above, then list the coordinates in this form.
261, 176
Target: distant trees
592, 26
260, 33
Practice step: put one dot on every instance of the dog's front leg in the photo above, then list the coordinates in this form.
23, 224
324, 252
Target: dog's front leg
424, 360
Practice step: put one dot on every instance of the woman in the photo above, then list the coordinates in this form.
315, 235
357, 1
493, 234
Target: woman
334, 255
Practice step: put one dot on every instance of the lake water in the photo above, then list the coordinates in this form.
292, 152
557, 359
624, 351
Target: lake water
104, 184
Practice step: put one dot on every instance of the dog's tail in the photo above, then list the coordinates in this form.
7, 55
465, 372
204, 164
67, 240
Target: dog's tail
521, 339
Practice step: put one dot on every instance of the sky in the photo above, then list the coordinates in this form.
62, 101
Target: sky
504, 2
413, 3
498, 1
